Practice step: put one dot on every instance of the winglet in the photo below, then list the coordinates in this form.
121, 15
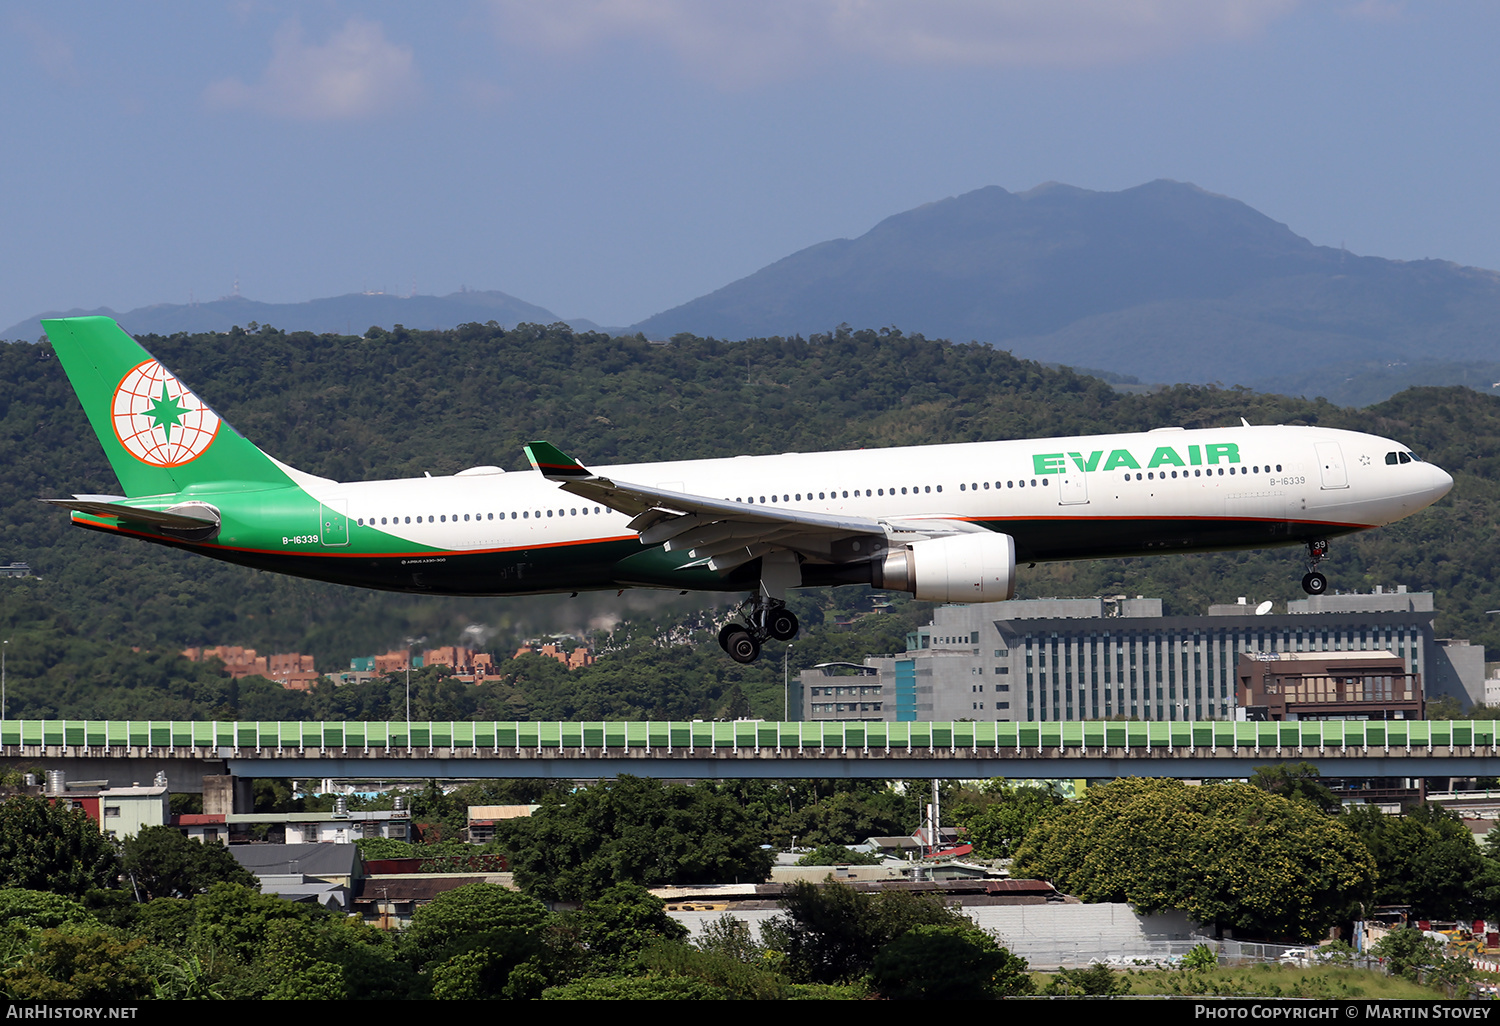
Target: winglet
555, 464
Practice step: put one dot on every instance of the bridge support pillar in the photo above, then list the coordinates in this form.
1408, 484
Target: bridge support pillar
226, 795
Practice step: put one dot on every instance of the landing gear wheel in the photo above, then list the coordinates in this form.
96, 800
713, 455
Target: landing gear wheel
742, 648
782, 625
1315, 583
727, 630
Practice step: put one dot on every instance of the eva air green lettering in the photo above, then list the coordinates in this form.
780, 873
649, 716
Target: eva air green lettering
1226, 452
1088, 465
1166, 455
1120, 458
1195, 455
1049, 463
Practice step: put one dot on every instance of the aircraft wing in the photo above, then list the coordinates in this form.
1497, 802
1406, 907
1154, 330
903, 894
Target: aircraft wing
113, 506
722, 534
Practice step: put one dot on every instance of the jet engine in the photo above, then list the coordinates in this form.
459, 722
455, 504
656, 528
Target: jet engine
957, 568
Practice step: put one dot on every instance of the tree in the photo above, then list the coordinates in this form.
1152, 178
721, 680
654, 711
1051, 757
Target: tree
47, 847
80, 963
848, 815
738, 978
820, 811
621, 922
163, 862
632, 830
289, 957
1407, 952
729, 937
473, 940
371, 848
1228, 854
481, 974
235, 919
837, 855
831, 933
948, 963
40, 910
1298, 781
1095, 981
1427, 860
997, 817
618, 988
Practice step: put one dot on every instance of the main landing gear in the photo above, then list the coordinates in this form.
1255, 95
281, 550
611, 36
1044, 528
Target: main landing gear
765, 618
765, 613
1313, 582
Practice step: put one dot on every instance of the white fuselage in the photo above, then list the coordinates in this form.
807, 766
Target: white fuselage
1064, 498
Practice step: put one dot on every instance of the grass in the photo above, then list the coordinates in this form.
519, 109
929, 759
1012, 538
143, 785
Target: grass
1268, 981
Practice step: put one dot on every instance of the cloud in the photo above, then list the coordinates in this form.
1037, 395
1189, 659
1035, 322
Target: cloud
49, 51
358, 73
743, 41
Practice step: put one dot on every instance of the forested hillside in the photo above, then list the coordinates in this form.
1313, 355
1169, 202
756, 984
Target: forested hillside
403, 403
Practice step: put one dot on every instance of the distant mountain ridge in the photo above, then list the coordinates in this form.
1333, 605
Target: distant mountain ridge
350, 314
1165, 281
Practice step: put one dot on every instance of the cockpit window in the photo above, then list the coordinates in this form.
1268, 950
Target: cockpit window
1394, 458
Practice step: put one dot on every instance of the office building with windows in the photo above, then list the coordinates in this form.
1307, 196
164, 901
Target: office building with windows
1094, 658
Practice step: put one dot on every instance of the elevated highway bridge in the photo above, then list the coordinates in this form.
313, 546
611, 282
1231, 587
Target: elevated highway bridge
126, 751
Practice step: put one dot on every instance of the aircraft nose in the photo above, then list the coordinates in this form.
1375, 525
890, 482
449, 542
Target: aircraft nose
1442, 482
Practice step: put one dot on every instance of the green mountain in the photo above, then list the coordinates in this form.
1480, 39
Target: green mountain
1165, 282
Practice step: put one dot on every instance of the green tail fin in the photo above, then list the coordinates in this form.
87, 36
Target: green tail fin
159, 437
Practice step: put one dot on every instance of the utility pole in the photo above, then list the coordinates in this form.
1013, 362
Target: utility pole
5, 648
409, 643
786, 686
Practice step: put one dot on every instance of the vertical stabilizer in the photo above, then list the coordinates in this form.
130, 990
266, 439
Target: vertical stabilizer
159, 437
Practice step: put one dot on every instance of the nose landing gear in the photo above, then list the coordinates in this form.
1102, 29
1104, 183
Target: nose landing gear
1313, 582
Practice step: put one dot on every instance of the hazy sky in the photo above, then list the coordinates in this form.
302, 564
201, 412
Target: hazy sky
613, 158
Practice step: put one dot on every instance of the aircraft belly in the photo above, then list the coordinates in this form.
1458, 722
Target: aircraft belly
1062, 538
515, 571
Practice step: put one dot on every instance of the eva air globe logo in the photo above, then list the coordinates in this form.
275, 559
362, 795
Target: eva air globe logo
158, 420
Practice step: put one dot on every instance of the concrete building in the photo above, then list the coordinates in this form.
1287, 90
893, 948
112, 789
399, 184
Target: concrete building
120, 812
292, 670
1327, 686
482, 819
318, 827
318, 873
1094, 658
125, 811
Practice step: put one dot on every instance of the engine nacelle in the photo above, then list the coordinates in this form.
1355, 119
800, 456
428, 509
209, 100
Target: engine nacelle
958, 568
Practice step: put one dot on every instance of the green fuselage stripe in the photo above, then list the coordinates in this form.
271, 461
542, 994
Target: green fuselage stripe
618, 561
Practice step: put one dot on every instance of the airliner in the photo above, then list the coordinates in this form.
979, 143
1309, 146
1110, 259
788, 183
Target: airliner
947, 523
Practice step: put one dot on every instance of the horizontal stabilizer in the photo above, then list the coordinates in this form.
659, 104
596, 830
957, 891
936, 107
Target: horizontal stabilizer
98, 506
